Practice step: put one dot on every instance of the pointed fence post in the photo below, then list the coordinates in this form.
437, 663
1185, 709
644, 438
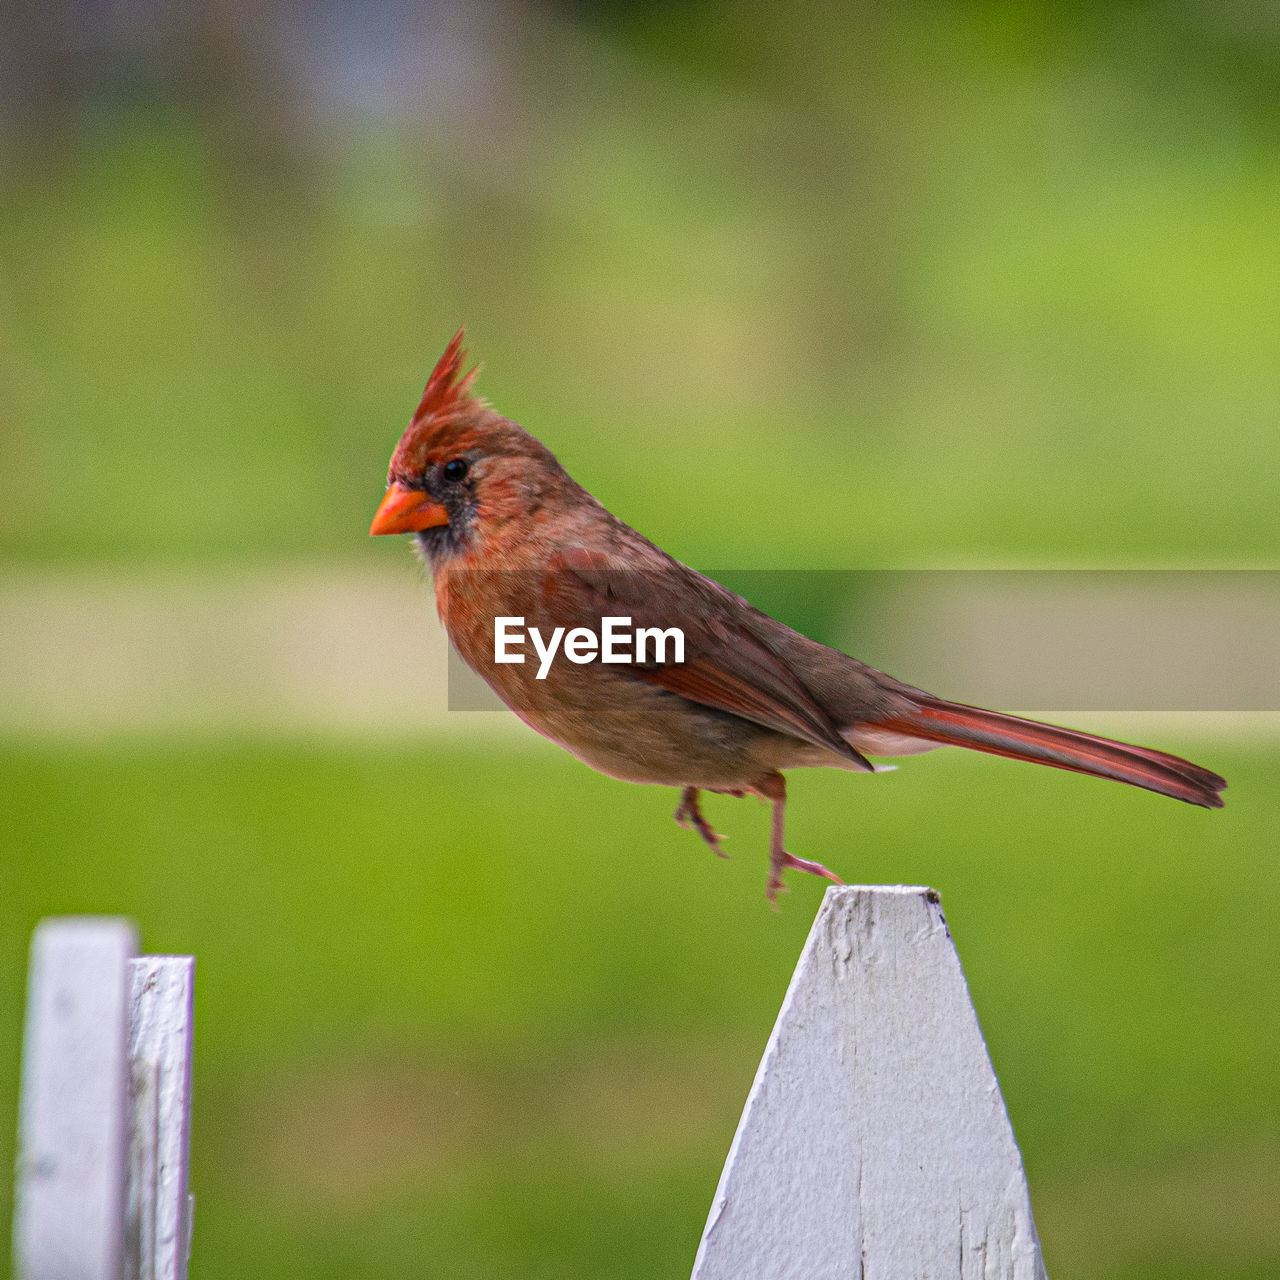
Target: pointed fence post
874, 1143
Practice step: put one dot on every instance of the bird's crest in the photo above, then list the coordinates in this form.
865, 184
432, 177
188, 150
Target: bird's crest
449, 416
446, 390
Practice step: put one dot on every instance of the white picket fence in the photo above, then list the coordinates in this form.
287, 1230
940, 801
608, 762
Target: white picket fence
104, 1122
874, 1144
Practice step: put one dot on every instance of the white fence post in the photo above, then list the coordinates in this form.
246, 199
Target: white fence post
160, 1208
874, 1143
104, 1118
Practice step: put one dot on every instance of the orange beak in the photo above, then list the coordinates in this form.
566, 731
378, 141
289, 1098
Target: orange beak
405, 510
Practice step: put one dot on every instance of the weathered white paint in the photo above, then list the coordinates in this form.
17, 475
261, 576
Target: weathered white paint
105, 1113
874, 1144
70, 1193
160, 1041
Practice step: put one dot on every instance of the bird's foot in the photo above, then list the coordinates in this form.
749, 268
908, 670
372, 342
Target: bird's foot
689, 816
773, 788
779, 862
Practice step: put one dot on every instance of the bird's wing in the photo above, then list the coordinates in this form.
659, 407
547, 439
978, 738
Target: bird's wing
726, 666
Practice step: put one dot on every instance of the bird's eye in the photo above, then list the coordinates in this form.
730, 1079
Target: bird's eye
455, 469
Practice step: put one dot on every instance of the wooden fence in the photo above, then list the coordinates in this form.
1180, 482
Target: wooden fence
104, 1123
874, 1144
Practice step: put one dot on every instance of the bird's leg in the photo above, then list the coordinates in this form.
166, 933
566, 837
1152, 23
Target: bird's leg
773, 787
689, 816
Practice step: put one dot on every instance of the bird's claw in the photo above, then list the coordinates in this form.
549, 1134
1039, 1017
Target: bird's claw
779, 864
689, 816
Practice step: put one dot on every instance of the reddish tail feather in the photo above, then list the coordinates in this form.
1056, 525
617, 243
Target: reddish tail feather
1002, 735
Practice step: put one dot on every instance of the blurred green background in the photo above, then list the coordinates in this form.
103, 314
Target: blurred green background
847, 286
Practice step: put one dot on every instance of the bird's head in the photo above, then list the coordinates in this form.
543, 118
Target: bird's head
462, 471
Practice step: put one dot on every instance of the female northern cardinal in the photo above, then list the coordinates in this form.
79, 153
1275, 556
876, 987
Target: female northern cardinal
509, 535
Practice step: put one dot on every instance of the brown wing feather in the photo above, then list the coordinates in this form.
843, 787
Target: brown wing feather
725, 667
712, 685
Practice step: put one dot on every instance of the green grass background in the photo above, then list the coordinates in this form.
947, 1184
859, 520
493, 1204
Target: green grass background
956, 284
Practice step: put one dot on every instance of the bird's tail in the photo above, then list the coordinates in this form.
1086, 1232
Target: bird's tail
954, 724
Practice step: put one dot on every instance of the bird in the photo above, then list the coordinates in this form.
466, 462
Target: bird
509, 536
